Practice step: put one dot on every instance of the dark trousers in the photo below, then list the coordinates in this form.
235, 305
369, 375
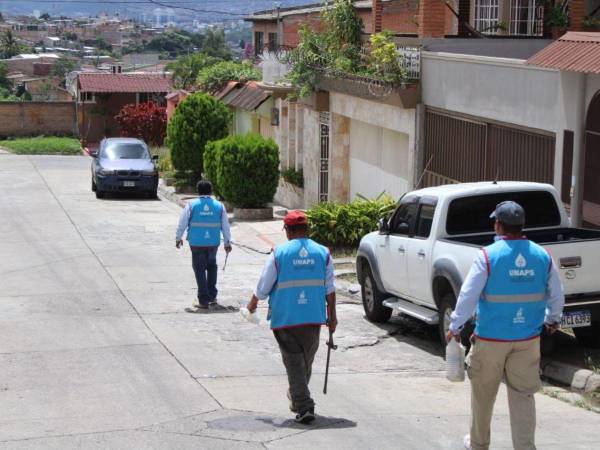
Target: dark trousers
298, 348
204, 262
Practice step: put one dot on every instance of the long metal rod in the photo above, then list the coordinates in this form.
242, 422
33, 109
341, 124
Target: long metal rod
330, 346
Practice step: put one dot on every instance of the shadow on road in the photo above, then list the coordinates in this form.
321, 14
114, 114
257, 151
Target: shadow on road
119, 196
321, 423
414, 332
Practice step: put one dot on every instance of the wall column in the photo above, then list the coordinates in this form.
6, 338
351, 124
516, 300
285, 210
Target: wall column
339, 159
579, 156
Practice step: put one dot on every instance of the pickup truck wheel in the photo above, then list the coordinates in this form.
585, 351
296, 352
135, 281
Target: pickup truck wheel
447, 305
589, 336
373, 299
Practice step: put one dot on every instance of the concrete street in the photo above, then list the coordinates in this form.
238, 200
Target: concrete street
97, 352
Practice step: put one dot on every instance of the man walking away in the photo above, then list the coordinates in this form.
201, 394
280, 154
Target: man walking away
516, 290
298, 278
204, 219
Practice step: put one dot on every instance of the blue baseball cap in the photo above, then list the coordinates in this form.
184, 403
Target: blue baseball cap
509, 213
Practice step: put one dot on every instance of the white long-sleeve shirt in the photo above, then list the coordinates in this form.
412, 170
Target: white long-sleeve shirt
184, 221
268, 278
473, 286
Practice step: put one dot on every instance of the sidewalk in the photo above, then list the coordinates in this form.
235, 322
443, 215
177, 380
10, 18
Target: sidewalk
262, 236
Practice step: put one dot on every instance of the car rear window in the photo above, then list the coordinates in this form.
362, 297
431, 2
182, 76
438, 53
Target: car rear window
125, 151
472, 214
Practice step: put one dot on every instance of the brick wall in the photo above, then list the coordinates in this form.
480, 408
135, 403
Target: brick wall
432, 18
576, 14
35, 118
292, 24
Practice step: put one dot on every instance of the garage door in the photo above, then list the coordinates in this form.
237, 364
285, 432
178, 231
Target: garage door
378, 161
460, 149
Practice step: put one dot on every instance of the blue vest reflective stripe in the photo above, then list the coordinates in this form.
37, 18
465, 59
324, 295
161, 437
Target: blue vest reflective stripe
513, 303
298, 298
205, 223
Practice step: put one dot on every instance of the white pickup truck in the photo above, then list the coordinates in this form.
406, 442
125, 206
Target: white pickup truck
416, 263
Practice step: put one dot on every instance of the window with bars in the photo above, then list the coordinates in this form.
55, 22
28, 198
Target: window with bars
486, 16
324, 125
526, 18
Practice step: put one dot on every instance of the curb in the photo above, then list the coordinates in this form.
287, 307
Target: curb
572, 376
169, 193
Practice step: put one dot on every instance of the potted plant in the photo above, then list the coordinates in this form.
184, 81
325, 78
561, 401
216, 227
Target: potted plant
591, 23
557, 20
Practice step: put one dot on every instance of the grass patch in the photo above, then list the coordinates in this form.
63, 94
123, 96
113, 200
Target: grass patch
43, 146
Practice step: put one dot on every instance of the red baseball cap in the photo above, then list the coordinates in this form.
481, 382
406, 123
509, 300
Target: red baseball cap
293, 218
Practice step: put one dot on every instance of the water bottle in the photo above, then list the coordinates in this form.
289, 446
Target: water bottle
455, 361
250, 317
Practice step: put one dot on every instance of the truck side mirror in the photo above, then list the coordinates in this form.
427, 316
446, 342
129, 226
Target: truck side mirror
154, 157
383, 226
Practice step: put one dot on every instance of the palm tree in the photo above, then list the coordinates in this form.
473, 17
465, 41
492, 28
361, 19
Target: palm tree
9, 46
185, 70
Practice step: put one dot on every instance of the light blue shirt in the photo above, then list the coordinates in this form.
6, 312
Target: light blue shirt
184, 221
473, 286
268, 278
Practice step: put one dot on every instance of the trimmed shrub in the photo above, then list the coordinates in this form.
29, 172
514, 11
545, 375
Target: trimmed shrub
145, 121
247, 170
198, 119
342, 225
211, 153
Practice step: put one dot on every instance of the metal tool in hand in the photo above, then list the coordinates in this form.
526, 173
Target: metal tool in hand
330, 346
225, 264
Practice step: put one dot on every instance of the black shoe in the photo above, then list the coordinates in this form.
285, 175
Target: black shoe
306, 417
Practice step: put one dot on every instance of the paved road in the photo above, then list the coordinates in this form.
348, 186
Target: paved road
95, 351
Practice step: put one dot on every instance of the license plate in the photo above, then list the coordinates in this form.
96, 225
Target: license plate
129, 183
577, 319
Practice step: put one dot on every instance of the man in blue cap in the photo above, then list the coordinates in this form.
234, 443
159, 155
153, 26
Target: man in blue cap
514, 290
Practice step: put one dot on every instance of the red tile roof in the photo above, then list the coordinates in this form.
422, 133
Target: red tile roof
575, 52
124, 82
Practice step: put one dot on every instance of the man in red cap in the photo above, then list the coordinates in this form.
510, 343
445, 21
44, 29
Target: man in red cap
298, 279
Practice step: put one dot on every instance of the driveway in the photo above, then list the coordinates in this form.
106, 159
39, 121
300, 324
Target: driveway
96, 351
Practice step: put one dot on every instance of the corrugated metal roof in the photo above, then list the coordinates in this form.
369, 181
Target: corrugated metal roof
247, 96
574, 52
124, 82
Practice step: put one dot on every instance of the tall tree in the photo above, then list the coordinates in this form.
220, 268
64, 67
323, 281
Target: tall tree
61, 69
9, 46
185, 70
214, 44
4, 81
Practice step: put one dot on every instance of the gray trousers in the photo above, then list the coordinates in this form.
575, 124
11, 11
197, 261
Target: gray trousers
298, 348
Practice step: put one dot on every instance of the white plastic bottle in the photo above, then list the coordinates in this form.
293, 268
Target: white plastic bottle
455, 361
250, 317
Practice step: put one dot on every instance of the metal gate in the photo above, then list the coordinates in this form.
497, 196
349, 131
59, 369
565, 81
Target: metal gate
324, 126
462, 149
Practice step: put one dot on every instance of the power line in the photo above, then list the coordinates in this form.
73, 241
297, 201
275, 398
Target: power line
172, 5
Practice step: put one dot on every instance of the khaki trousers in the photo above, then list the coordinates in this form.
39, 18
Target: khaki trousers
489, 362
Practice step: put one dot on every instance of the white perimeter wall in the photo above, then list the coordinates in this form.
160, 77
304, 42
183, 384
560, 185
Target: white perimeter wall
509, 91
382, 145
379, 161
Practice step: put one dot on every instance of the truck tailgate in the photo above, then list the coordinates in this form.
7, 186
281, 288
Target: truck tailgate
578, 264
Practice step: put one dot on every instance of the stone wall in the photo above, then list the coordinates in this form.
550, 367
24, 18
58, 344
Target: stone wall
290, 196
36, 118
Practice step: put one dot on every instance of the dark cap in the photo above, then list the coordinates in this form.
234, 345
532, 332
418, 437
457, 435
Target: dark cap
509, 213
294, 218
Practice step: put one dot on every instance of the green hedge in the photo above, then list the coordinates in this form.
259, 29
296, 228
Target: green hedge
342, 225
244, 169
198, 119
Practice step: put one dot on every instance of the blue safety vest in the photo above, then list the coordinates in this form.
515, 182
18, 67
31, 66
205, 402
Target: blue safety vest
204, 229
298, 297
513, 302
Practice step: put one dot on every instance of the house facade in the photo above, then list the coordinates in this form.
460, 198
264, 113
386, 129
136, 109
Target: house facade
101, 96
474, 110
